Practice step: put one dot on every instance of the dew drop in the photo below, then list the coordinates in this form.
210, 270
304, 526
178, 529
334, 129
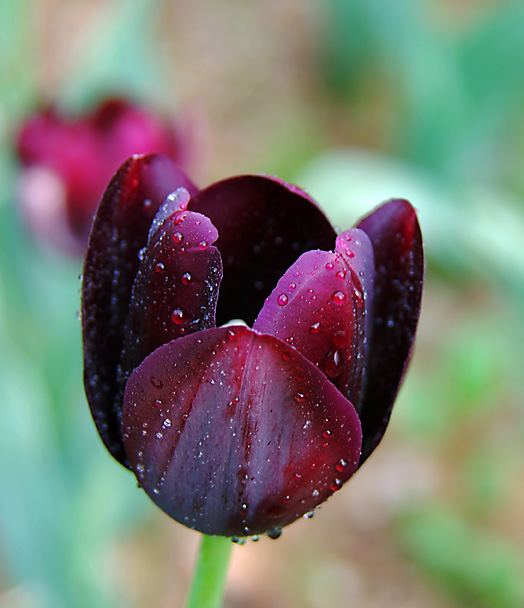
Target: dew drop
333, 364
156, 491
315, 493
177, 237
338, 297
156, 382
142, 253
177, 316
292, 286
186, 278
180, 217
275, 533
341, 465
326, 433
160, 267
167, 422
314, 328
341, 274
282, 299
299, 397
330, 266
202, 245
309, 515
335, 485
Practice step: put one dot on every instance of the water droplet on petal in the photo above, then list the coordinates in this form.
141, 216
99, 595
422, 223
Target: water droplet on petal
315, 328
333, 364
292, 286
177, 316
330, 266
156, 382
186, 278
282, 299
338, 297
341, 465
341, 274
160, 267
299, 397
335, 485
275, 533
177, 237
202, 245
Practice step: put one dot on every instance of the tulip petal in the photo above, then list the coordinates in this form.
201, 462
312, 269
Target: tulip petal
264, 226
235, 433
120, 230
399, 262
176, 287
319, 306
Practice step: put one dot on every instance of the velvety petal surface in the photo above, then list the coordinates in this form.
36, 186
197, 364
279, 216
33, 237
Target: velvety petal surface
120, 231
235, 433
264, 226
320, 307
176, 287
399, 261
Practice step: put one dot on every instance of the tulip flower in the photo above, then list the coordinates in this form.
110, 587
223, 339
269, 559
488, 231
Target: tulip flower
67, 164
240, 357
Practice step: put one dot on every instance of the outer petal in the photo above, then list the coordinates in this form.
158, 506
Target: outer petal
399, 261
119, 231
319, 306
264, 226
234, 433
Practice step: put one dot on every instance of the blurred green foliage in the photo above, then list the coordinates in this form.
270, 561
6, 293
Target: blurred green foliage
447, 96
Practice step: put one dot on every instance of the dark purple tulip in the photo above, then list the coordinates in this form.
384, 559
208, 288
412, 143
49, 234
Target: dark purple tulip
231, 429
67, 163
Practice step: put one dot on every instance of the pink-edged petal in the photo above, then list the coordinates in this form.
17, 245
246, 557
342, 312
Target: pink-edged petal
235, 433
320, 307
176, 287
119, 232
399, 261
264, 226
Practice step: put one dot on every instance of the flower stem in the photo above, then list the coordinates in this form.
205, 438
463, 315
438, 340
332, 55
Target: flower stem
207, 587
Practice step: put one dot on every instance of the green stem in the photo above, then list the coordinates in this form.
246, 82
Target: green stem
207, 588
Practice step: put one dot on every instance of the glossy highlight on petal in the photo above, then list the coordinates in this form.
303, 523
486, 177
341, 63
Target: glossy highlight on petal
399, 261
120, 230
264, 226
235, 433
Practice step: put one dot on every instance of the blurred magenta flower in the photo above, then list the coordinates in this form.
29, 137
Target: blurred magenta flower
239, 428
67, 164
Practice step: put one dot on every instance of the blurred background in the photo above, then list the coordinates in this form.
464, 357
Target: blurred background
355, 101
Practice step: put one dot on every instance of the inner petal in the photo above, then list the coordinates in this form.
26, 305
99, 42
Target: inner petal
264, 226
176, 287
320, 307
